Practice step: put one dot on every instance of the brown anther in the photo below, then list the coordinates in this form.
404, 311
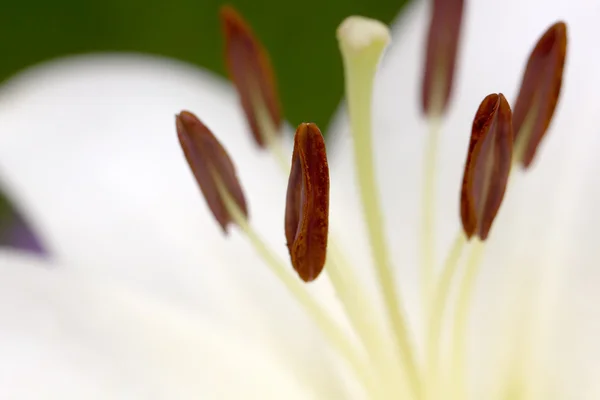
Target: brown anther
442, 47
487, 167
307, 203
540, 89
250, 70
211, 167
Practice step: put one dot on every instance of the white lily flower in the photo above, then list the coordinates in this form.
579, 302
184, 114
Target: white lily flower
144, 297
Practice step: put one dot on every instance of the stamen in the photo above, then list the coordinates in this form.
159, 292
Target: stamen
307, 204
440, 62
438, 76
207, 157
427, 239
458, 346
539, 92
484, 183
436, 314
215, 175
251, 72
487, 167
362, 42
306, 228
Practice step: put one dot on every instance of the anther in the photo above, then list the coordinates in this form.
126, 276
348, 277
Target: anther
540, 89
211, 167
487, 167
307, 203
440, 61
250, 70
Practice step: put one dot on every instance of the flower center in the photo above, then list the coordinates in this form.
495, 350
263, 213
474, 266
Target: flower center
386, 363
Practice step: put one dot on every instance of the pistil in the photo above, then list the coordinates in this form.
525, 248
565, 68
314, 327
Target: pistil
362, 42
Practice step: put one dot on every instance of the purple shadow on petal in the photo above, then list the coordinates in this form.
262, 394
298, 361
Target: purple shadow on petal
15, 232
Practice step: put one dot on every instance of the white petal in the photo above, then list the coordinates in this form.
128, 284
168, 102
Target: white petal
549, 219
64, 336
88, 147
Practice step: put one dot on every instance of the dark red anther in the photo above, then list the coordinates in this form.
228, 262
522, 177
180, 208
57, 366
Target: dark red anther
442, 48
250, 70
307, 203
540, 89
211, 167
488, 166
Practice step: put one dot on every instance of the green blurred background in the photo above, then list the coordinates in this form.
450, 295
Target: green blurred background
300, 36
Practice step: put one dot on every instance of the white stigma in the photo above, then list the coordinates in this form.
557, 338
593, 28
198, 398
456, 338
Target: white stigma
358, 34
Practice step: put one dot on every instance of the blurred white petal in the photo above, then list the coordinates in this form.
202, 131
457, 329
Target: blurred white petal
64, 336
88, 146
